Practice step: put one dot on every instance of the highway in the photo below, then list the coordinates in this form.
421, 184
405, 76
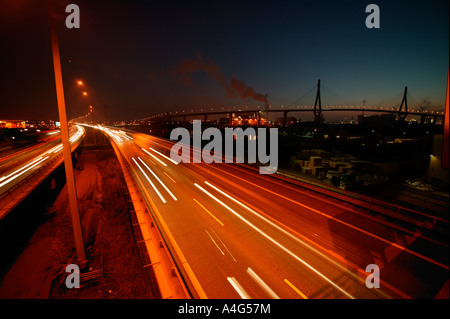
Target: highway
245, 235
16, 166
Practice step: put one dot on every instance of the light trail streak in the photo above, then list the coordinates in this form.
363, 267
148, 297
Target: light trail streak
14, 177
262, 284
168, 158
16, 171
154, 157
275, 242
148, 179
163, 185
237, 286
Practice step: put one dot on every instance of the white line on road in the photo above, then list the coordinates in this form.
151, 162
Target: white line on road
224, 245
214, 242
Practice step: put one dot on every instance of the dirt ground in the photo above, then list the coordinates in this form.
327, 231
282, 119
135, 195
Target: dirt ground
39, 272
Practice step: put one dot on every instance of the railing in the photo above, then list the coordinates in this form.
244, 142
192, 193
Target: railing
176, 262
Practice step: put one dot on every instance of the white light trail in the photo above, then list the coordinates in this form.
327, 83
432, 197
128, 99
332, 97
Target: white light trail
165, 187
168, 158
15, 176
16, 171
241, 291
262, 284
156, 190
58, 149
274, 241
154, 157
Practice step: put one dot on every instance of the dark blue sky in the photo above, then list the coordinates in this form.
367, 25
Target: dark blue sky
130, 54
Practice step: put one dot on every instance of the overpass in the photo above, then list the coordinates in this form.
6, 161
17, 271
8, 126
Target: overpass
22, 171
401, 111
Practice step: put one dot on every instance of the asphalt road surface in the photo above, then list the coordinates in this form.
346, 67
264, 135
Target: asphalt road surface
246, 235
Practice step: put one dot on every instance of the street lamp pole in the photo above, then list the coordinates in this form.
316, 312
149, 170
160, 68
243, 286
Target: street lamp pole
67, 154
91, 109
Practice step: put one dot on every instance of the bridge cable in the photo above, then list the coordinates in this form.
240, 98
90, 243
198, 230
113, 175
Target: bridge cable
304, 95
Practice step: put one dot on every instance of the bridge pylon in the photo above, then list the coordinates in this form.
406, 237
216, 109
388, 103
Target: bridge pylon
318, 105
402, 115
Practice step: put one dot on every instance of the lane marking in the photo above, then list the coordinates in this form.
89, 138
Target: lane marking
224, 245
214, 242
148, 179
237, 286
209, 212
165, 187
262, 284
170, 177
275, 242
295, 289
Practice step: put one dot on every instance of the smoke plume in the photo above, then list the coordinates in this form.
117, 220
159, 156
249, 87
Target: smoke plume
234, 88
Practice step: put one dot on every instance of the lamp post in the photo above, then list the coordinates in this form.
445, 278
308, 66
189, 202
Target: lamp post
92, 113
67, 154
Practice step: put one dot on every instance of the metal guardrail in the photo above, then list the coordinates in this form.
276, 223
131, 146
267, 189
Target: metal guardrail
163, 242
94, 274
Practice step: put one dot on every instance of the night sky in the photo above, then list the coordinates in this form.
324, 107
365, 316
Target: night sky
145, 57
